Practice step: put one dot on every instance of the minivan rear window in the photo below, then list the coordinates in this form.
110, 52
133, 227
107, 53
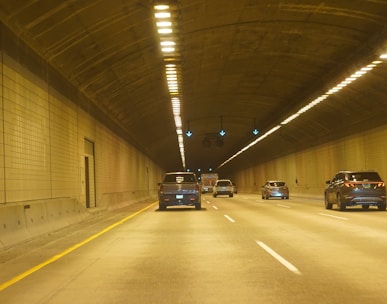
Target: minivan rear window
179, 178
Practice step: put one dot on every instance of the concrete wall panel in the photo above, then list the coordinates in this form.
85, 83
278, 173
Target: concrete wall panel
13, 227
43, 130
306, 171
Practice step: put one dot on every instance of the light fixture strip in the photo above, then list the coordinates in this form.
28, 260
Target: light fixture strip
361, 72
166, 25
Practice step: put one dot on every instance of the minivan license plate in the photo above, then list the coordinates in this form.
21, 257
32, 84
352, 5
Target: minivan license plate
179, 196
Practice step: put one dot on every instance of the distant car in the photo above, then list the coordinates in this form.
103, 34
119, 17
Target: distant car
275, 188
234, 188
223, 187
355, 188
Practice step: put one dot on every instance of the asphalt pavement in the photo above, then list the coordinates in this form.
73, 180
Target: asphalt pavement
235, 250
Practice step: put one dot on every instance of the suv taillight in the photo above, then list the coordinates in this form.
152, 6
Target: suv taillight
349, 185
352, 185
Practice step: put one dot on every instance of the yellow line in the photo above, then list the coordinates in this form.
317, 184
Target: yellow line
69, 250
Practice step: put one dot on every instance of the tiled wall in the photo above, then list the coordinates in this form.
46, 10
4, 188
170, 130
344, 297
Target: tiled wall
307, 171
27, 166
42, 148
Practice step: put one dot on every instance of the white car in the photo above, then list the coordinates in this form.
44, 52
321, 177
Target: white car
223, 187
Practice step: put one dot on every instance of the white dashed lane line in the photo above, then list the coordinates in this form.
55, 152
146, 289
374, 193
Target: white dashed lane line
279, 258
229, 218
275, 255
334, 216
283, 206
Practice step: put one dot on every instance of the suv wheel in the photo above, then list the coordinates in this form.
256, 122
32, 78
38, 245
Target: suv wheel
198, 206
341, 204
382, 206
161, 206
328, 205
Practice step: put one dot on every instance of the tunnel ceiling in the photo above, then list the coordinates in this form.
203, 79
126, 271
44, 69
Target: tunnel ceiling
244, 64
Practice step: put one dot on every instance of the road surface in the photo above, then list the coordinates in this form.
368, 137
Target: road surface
235, 250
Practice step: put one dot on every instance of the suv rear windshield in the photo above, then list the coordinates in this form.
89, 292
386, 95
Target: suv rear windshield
362, 176
223, 183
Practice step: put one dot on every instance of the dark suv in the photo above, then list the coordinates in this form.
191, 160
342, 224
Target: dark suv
353, 188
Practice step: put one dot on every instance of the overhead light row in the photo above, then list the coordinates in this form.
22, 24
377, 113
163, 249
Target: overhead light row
167, 28
361, 72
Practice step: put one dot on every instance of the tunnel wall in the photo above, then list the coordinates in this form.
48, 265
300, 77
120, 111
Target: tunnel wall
60, 158
307, 171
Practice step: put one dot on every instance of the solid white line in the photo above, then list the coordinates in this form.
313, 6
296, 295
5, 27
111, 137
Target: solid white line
334, 216
280, 259
229, 218
215, 207
284, 206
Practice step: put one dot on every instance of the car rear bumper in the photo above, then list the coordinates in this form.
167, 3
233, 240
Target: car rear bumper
364, 200
224, 192
276, 194
187, 200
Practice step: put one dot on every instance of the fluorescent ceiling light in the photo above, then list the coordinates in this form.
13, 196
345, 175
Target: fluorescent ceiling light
161, 7
162, 15
178, 121
164, 31
167, 43
164, 24
168, 50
